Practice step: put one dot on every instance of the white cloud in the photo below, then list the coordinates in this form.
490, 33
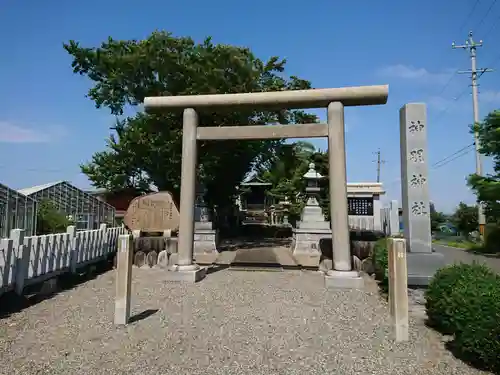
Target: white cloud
12, 133
418, 75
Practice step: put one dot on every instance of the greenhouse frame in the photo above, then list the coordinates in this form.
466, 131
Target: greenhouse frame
85, 210
16, 211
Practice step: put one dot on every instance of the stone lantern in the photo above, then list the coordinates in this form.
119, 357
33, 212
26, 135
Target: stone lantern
285, 204
312, 226
201, 211
312, 178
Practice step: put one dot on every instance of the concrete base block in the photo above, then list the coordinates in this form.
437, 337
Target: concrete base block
206, 258
173, 259
306, 250
205, 246
344, 280
310, 259
422, 267
49, 287
190, 274
326, 265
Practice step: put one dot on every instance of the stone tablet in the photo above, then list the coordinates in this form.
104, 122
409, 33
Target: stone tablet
154, 212
152, 259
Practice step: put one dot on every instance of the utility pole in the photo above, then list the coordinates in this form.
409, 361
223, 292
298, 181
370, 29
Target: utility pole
471, 46
379, 162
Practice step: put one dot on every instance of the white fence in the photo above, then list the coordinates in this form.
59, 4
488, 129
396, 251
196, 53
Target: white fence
29, 260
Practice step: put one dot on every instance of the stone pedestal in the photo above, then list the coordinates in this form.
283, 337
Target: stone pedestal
305, 245
205, 243
422, 267
344, 280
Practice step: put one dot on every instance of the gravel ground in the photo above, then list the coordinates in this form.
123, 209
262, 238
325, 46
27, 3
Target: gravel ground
233, 322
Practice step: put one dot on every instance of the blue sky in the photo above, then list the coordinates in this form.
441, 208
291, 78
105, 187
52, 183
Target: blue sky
48, 127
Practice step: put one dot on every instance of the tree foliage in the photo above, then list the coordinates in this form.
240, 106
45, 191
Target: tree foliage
146, 149
49, 219
487, 188
286, 169
437, 218
465, 218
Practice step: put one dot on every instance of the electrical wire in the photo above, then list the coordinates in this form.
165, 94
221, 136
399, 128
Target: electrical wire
457, 154
468, 16
486, 15
446, 160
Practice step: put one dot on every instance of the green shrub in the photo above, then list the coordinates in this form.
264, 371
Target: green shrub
479, 340
491, 239
381, 260
453, 294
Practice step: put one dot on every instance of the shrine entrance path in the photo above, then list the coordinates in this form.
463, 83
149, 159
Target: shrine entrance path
252, 253
229, 323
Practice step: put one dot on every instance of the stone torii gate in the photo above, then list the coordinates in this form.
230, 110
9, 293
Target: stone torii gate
334, 99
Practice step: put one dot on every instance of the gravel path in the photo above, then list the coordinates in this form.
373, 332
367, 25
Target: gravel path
233, 322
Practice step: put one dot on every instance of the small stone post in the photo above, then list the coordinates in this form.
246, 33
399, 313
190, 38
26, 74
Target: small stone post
125, 257
22, 254
398, 287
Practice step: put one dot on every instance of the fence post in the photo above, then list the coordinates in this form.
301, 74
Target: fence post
22, 254
398, 287
123, 279
73, 254
105, 247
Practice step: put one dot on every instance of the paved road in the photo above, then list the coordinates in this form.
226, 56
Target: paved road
454, 255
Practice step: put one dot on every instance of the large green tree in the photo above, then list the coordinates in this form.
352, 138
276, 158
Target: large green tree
487, 188
146, 149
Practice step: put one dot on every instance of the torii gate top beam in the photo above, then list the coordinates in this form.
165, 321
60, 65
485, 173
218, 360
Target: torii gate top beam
291, 99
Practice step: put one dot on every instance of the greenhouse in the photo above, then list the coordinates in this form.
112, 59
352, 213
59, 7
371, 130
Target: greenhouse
16, 211
85, 210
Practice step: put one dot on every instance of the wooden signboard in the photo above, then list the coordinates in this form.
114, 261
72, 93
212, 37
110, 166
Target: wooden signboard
154, 212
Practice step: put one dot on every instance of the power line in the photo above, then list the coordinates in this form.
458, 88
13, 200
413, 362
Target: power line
446, 160
468, 16
457, 154
493, 26
486, 15
464, 23
452, 76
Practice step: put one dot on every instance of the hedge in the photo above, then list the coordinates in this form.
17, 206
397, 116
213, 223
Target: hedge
479, 340
453, 293
464, 300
